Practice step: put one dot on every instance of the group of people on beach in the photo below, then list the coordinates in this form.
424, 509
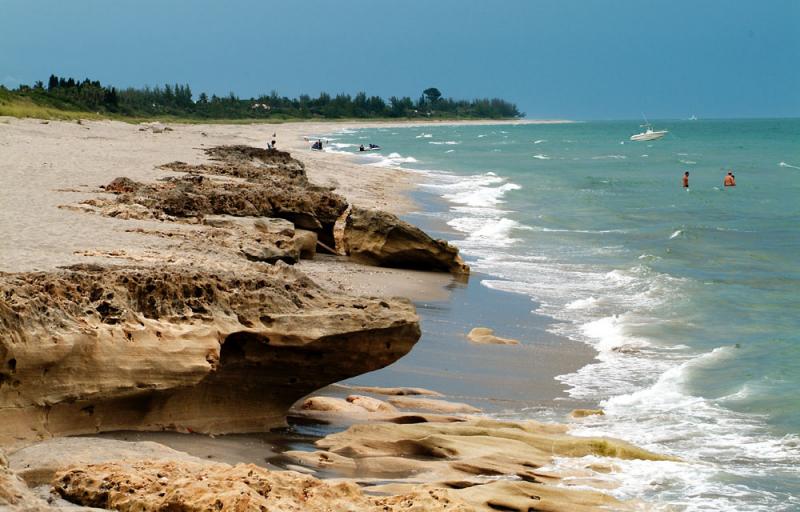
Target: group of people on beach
728, 181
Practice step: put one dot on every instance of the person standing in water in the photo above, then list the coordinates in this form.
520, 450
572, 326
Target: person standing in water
730, 180
686, 179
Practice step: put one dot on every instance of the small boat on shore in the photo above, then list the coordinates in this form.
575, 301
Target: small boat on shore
648, 134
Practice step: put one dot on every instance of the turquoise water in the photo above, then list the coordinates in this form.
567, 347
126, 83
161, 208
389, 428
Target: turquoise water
691, 297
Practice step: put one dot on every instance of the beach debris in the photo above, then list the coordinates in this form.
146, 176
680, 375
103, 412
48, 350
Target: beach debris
155, 127
486, 336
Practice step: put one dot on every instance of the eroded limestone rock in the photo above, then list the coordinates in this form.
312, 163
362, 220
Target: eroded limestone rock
89, 348
402, 391
380, 238
428, 404
158, 486
460, 456
372, 404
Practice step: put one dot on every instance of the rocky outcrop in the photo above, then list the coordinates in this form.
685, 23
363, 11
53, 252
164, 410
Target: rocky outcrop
158, 486
14, 494
312, 208
461, 455
249, 182
38, 464
277, 183
240, 161
379, 238
89, 349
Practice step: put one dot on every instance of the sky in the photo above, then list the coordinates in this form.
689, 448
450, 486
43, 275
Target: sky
588, 59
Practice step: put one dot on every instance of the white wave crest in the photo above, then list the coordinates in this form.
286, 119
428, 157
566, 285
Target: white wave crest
482, 196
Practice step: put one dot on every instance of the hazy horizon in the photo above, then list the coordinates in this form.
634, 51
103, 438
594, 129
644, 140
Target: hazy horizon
556, 60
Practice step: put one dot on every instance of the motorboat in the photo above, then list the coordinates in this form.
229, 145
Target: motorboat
649, 134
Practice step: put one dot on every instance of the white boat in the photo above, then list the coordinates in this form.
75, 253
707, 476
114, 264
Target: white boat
648, 134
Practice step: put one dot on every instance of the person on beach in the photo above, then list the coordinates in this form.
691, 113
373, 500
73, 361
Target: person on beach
730, 180
686, 179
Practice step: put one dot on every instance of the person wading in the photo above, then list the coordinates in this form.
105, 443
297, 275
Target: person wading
730, 180
686, 179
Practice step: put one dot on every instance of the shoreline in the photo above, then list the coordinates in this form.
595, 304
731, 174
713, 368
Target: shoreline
459, 313
394, 189
77, 175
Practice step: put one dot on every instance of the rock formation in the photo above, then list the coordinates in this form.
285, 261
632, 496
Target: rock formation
428, 404
312, 208
248, 182
89, 349
461, 455
157, 486
380, 238
486, 336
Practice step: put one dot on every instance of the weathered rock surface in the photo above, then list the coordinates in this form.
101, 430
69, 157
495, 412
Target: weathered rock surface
279, 181
486, 336
90, 349
37, 464
248, 182
380, 238
159, 486
459, 456
372, 404
308, 207
14, 494
331, 404
428, 404
394, 391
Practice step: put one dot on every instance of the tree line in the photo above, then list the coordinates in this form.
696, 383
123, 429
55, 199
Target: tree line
178, 100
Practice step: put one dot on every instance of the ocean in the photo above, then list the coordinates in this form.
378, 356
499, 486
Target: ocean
691, 298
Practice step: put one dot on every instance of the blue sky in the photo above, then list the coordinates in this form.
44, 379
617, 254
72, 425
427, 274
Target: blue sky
590, 59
